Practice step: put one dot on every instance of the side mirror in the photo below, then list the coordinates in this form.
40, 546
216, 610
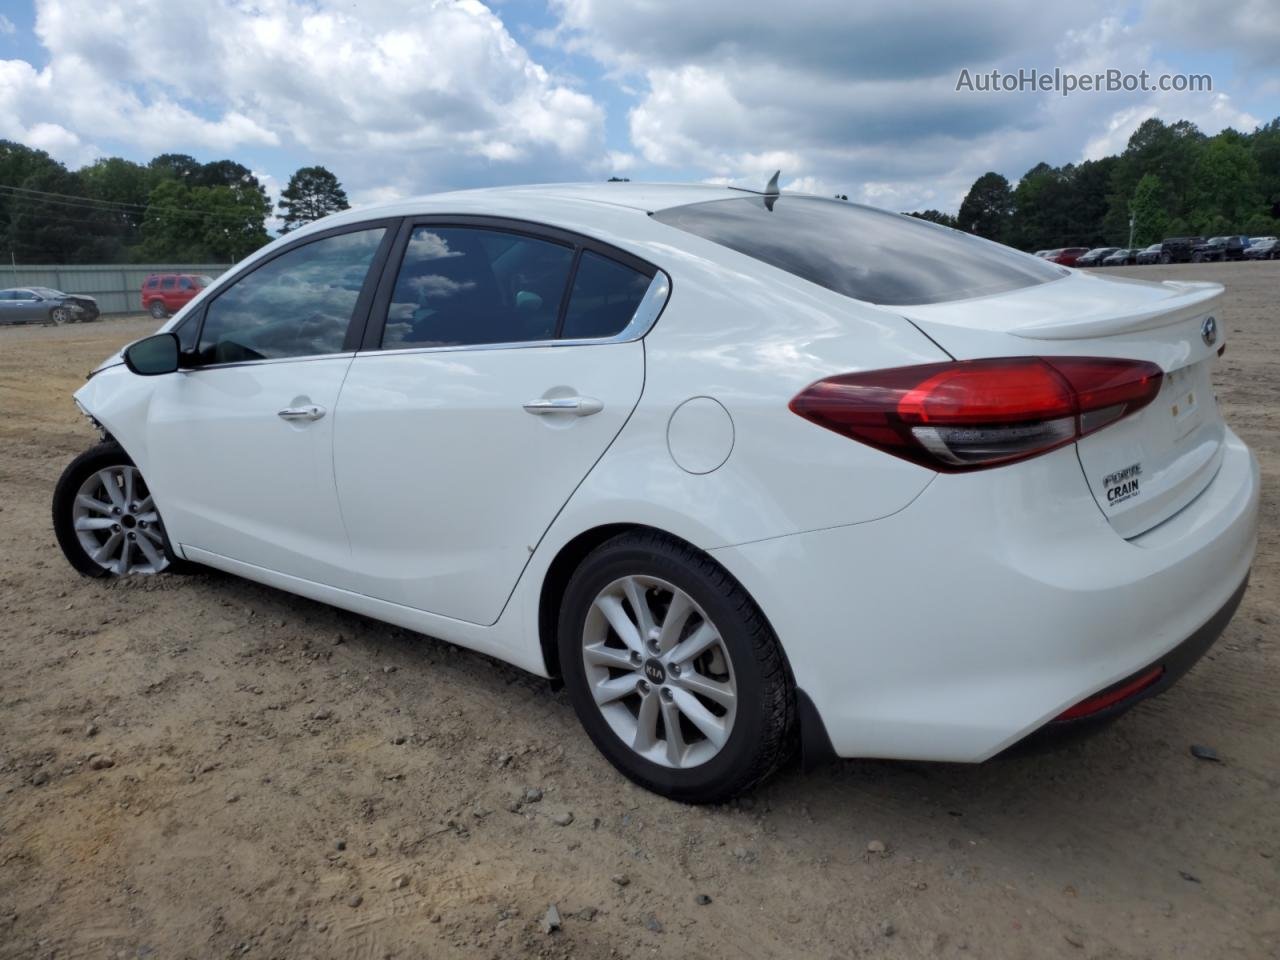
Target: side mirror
153, 356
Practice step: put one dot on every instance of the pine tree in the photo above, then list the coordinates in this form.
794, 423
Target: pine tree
313, 192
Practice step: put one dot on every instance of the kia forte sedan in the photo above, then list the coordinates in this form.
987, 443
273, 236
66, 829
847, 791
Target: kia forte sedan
745, 472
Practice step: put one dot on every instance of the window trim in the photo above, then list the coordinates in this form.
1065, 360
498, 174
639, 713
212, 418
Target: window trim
359, 314
642, 321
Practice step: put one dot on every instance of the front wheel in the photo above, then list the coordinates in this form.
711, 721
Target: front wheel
673, 670
104, 517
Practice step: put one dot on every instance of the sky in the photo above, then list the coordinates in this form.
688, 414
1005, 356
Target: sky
405, 97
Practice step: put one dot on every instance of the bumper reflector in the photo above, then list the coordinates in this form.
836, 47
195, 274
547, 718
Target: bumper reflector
1109, 698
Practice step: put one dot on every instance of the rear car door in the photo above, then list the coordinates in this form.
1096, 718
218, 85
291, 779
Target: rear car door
500, 363
240, 441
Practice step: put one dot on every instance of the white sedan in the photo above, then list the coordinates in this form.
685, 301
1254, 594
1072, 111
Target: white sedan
743, 471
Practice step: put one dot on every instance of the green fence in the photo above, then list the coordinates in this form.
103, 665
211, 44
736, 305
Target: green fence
117, 288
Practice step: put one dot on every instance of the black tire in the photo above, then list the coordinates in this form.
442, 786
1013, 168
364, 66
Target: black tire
762, 736
1165, 258
99, 457
157, 310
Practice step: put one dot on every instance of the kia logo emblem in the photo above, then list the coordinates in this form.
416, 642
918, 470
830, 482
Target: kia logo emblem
654, 671
1209, 330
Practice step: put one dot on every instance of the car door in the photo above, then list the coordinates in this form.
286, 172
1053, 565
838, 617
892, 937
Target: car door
239, 442
500, 363
26, 307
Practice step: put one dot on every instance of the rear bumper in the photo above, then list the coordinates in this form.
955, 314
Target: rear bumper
995, 602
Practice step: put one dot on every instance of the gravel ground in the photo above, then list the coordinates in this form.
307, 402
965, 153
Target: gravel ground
198, 766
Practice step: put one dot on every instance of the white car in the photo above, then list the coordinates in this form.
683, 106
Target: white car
743, 471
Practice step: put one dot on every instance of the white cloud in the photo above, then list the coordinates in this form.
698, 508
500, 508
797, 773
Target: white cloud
861, 99
7, 28
402, 94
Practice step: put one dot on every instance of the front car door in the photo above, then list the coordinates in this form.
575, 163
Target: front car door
500, 362
240, 442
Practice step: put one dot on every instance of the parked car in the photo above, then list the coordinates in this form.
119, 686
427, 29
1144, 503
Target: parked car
1043, 254
1094, 257
1263, 248
741, 471
1149, 255
1121, 258
1178, 249
1218, 249
1253, 240
164, 294
1067, 256
45, 305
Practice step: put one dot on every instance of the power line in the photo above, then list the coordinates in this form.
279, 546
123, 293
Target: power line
110, 206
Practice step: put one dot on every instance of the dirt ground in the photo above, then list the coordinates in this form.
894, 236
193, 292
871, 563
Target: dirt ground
287, 780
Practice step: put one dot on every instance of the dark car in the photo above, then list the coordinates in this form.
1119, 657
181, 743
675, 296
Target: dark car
166, 293
1066, 256
1094, 257
1178, 249
1218, 249
1121, 258
1263, 248
47, 306
1150, 255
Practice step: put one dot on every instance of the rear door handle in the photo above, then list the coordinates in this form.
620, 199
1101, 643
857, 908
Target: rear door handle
577, 406
310, 411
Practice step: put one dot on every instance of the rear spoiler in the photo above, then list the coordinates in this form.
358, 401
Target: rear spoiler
1185, 300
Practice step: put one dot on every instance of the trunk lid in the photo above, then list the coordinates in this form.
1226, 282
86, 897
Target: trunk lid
1148, 466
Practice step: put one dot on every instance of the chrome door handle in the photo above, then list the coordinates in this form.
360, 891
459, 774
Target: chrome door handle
311, 411
578, 406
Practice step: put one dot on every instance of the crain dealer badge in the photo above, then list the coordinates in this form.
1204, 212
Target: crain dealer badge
1123, 484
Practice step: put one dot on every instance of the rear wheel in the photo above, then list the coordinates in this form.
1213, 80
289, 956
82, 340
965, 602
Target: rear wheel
157, 310
104, 517
1165, 258
673, 670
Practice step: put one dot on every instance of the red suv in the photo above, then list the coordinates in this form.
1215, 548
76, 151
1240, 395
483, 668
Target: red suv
163, 293
1067, 256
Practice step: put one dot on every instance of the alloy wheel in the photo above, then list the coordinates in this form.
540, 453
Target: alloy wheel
117, 523
659, 672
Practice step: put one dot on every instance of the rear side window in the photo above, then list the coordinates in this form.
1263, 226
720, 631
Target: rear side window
460, 286
298, 304
153, 282
168, 283
862, 252
604, 298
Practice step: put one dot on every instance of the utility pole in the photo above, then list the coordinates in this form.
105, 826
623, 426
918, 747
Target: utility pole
1131, 222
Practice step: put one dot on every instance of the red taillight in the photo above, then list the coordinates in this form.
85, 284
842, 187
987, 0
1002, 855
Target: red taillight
1109, 698
972, 414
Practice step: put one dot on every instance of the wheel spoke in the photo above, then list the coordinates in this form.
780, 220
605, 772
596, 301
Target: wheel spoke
128, 484
149, 551
601, 656
673, 623
615, 688
121, 565
635, 592
93, 504
721, 693
711, 726
145, 506
675, 739
109, 546
646, 724
612, 609
113, 489
153, 534
95, 523
694, 644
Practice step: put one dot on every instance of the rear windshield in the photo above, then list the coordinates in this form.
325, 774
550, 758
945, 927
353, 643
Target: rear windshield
862, 252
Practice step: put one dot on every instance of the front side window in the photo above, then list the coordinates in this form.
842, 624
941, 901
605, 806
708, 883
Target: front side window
184, 283
460, 286
604, 298
862, 252
298, 304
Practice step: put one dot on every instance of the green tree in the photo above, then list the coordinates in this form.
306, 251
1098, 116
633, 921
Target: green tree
222, 223
1226, 190
312, 193
1147, 209
174, 166
987, 210
934, 216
